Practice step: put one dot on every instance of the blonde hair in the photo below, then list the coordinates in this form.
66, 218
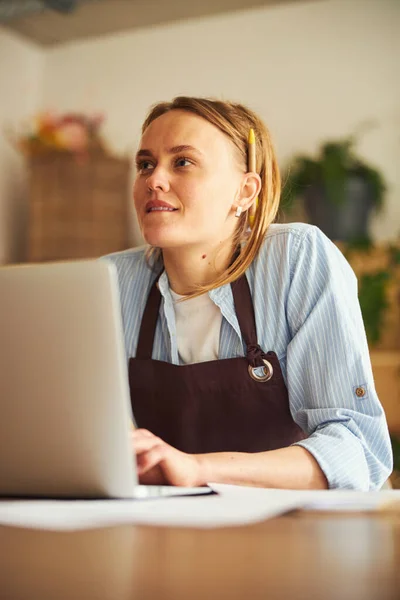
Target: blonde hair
235, 121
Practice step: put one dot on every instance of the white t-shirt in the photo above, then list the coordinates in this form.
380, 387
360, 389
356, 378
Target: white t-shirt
198, 325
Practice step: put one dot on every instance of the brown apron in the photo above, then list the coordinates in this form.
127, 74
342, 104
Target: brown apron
236, 404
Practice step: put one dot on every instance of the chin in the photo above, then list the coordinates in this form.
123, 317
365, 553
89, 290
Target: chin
160, 239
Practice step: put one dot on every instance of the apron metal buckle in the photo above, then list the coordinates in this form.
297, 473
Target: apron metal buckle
261, 374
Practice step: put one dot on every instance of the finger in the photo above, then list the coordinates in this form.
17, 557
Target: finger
148, 460
145, 444
154, 476
144, 432
142, 435
139, 433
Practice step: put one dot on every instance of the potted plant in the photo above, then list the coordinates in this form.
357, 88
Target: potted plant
71, 133
395, 478
339, 189
374, 290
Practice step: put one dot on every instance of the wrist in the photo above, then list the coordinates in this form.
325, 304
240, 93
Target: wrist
203, 469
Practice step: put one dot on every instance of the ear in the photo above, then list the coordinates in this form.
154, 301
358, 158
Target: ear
248, 192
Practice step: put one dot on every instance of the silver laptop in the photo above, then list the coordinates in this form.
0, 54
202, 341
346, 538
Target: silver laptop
65, 412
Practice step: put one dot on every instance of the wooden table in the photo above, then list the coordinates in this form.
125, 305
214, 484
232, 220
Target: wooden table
297, 556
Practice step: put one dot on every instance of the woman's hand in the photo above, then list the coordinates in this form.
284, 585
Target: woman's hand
158, 463
287, 468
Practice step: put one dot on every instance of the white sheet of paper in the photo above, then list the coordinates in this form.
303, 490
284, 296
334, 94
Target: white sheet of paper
234, 505
344, 500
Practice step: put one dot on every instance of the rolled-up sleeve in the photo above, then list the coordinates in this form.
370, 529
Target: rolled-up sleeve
329, 375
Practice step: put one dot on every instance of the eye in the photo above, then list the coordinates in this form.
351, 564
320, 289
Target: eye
183, 162
144, 165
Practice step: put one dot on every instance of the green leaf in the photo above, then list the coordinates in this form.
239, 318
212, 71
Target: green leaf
396, 451
373, 302
336, 162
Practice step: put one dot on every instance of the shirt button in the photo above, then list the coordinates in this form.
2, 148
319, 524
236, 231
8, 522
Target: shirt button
360, 392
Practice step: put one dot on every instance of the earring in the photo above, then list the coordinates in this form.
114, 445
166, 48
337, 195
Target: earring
238, 211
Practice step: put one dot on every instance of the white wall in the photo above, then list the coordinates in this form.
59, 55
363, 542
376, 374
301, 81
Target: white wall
313, 70
21, 70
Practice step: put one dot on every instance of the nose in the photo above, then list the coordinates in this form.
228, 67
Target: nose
158, 180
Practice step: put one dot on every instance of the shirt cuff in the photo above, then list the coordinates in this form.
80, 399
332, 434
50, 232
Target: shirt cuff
340, 456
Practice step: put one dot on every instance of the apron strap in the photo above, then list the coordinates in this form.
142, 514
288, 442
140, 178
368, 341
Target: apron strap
244, 311
247, 320
149, 322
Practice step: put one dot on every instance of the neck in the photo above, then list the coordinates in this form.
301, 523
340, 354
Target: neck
188, 268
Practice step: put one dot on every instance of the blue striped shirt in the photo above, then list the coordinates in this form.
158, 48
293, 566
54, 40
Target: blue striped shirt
307, 311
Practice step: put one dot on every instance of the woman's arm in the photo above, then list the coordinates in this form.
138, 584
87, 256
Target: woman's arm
329, 376
159, 463
287, 468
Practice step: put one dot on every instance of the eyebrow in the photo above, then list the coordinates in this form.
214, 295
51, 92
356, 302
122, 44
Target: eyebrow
173, 150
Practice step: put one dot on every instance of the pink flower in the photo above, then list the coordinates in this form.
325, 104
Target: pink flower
97, 119
72, 136
47, 119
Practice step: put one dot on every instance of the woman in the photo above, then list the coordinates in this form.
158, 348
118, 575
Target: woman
248, 362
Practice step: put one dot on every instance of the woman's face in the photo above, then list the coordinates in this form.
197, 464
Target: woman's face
188, 183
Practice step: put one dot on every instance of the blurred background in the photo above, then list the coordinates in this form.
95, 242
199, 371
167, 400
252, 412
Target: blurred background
316, 71
76, 81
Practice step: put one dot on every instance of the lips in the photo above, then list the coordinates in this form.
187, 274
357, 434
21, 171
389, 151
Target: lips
158, 206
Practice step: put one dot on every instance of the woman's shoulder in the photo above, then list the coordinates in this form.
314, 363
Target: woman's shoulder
288, 229
299, 244
285, 239
294, 231
133, 268
296, 235
129, 258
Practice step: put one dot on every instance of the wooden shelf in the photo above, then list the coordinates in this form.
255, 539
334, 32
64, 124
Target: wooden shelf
385, 358
386, 370
77, 208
